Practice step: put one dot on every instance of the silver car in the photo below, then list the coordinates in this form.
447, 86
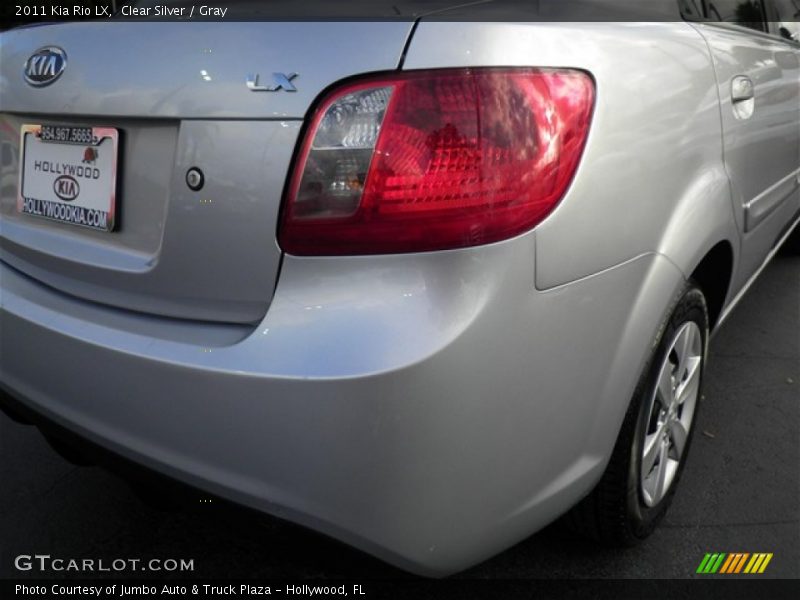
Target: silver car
423, 282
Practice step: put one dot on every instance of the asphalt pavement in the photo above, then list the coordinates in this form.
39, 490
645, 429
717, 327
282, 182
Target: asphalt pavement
740, 491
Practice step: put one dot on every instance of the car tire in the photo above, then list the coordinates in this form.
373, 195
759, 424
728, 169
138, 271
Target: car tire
648, 458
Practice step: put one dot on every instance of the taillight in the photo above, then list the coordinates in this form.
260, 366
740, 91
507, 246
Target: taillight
431, 160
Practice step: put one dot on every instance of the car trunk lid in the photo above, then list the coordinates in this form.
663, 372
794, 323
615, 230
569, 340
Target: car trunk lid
178, 95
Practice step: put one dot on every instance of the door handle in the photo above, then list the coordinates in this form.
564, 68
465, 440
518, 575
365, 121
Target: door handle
742, 88
743, 97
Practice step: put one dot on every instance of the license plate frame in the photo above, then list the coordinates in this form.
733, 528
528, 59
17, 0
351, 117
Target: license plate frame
58, 163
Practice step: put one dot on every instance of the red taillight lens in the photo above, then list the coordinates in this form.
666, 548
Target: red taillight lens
433, 160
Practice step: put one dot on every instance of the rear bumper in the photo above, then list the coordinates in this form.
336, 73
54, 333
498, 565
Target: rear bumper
429, 409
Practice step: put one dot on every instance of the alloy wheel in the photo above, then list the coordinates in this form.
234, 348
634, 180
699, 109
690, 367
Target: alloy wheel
670, 413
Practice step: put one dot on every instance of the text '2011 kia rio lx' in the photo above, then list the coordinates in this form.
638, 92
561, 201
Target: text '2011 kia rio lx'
423, 284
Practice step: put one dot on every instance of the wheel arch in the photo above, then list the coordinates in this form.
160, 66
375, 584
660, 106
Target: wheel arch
714, 274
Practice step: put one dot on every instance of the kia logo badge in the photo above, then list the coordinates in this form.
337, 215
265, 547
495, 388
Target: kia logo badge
45, 66
66, 188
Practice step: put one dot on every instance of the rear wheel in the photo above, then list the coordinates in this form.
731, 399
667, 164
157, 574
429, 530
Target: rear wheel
649, 456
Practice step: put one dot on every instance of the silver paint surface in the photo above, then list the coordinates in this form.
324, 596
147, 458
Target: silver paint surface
431, 408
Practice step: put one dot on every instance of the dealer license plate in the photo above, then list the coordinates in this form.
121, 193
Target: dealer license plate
69, 174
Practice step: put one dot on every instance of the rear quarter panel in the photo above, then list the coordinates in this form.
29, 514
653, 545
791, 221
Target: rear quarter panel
652, 178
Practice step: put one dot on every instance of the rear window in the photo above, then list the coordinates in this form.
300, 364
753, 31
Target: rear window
788, 11
746, 13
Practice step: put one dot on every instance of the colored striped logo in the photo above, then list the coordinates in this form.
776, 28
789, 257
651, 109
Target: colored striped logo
734, 562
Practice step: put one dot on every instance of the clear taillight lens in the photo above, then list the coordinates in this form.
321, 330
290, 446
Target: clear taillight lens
432, 160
